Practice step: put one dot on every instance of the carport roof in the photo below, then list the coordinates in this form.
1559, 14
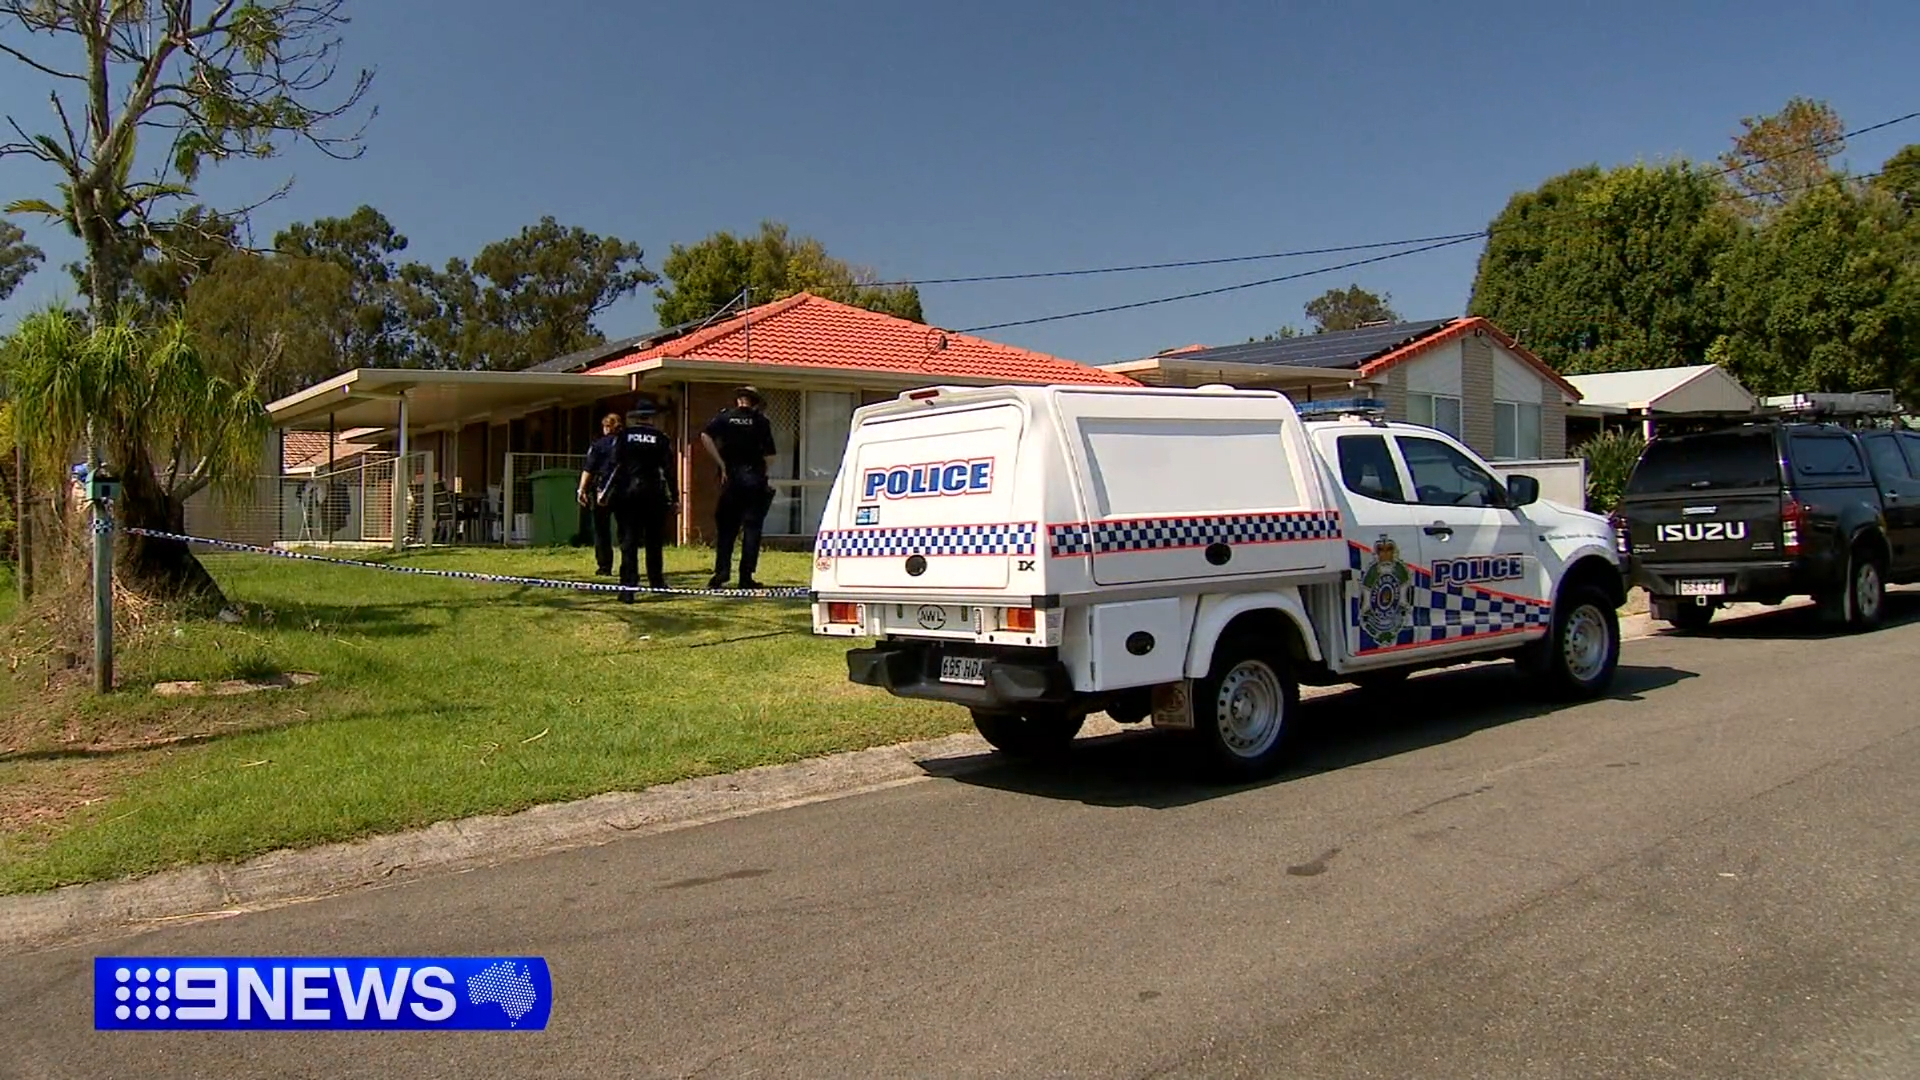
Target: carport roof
369, 397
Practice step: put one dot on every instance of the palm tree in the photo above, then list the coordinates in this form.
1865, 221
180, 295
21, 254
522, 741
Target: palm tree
169, 427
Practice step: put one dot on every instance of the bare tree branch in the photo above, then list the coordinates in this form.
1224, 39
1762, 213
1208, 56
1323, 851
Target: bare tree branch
38, 66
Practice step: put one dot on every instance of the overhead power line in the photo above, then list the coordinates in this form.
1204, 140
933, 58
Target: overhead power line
1438, 242
1177, 265
1461, 239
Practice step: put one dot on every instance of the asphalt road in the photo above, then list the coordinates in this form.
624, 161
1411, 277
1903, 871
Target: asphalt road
1715, 873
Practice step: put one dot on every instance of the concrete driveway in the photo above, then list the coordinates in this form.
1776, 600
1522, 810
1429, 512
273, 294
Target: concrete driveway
1710, 874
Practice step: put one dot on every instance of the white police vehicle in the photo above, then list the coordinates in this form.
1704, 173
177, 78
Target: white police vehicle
1190, 556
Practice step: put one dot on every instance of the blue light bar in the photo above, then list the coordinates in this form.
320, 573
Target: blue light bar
1342, 407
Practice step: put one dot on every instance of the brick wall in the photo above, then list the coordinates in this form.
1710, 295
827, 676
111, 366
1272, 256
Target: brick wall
1476, 394
1394, 393
1553, 423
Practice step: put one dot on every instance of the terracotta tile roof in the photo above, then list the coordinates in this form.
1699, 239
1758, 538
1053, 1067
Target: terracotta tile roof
299, 447
805, 330
308, 449
1458, 328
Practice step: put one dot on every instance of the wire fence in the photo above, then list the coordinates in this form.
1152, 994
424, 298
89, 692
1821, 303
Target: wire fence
350, 505
516, 488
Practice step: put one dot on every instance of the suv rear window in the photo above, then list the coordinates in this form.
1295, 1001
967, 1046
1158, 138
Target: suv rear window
1723, 459
1825, 455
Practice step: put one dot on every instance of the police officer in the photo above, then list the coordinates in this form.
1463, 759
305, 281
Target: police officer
644, 491
595, 495
740, 439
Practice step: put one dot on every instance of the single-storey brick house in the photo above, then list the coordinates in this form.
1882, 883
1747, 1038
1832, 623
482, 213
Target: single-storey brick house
813, 359
1462, 375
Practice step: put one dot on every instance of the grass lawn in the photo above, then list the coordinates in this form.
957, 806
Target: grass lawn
437, 699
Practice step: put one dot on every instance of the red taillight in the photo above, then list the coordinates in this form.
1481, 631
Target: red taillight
1020, 618
1793, 520
843, 613
1620, 539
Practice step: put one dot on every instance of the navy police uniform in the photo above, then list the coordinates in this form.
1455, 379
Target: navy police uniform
599, 499
744, 441
644, 491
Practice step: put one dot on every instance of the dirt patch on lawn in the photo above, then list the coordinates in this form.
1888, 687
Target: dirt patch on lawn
38, 796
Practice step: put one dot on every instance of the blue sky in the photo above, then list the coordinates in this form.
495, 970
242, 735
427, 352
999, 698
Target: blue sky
929, 140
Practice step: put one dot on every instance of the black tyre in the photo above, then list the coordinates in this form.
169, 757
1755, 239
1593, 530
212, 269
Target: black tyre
1691, 617
1583, 652
1244, 710
1861, 604
1036, 734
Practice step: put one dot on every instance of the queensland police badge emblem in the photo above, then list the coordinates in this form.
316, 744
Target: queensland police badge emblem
1386, 592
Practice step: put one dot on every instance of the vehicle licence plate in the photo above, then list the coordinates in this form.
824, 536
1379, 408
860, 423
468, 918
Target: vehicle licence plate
1715, 587
967, 670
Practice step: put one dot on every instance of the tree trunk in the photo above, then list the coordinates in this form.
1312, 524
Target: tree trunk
164, 569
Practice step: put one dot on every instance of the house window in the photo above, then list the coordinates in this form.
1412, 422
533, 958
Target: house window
810, 430
1438, 411
1516, 430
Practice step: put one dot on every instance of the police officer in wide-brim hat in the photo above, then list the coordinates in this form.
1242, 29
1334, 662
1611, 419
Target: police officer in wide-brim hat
645, 490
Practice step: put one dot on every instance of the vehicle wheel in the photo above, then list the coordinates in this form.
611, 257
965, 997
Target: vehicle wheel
1862, 604
1035, 734
1584, 649
1243, 710
1692, 616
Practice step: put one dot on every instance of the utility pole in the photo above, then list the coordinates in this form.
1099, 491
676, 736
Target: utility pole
23, 523
99, 492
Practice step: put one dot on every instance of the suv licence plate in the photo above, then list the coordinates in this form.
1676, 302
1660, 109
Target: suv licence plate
968, 670
1715, 587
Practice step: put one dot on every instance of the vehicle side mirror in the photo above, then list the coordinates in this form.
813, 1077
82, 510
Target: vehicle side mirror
1523, 490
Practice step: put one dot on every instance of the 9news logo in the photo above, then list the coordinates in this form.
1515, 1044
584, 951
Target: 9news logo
321, 994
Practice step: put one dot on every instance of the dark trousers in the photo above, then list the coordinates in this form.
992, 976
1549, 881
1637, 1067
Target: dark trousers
642, 521
742, 513
603, 538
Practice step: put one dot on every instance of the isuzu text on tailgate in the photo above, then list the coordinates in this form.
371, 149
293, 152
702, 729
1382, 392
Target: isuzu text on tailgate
1037, 554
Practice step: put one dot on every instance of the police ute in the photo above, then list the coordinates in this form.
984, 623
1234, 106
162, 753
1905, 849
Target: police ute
1190, 557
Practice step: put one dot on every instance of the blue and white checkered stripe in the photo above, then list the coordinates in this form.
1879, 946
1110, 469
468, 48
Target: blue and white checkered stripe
1452, 612
784, 593
1165, 534
1008, 539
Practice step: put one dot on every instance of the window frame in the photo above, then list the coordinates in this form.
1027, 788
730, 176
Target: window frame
791, 492
1910, 445
1512, 410
1393, 462
1500, 500
1795, 439
1433, 412
1868, 440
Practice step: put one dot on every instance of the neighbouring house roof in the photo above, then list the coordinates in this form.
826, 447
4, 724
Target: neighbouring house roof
601, 353
1368, 351
1337, 349
805, 331
1696, 388
306, 450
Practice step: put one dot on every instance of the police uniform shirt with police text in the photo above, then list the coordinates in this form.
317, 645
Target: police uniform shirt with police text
645, 458
744, 436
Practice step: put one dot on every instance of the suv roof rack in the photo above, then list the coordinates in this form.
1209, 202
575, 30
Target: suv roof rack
1878, 404
1371, 409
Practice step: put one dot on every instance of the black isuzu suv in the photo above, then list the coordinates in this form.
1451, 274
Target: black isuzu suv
1768, 510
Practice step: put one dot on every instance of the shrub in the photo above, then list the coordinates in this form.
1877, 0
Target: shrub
1610, 456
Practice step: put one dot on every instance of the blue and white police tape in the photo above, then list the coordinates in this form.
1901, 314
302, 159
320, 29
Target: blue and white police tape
780, 593
284, 993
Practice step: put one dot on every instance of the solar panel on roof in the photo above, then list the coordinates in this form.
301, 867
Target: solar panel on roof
1342, 348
